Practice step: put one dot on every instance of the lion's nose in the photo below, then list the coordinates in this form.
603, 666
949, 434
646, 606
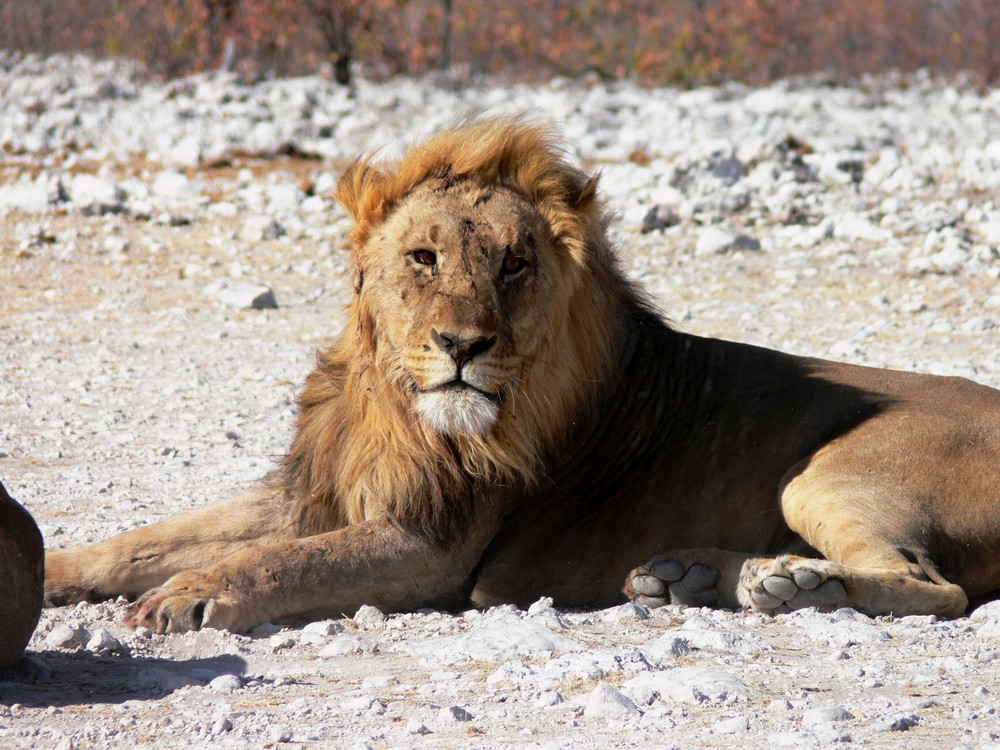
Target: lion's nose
462, 348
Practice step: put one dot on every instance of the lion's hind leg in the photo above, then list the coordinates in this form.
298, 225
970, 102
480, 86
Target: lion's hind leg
692, 577
788, 582
874, 531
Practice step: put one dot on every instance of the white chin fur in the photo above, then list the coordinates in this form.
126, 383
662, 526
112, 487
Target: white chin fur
457, 411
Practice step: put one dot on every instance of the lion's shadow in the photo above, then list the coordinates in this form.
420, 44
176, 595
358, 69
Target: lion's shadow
59, 678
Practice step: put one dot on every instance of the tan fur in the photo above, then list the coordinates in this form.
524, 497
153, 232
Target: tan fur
505, 417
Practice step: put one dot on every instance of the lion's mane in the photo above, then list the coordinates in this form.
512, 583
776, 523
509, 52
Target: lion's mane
359, 451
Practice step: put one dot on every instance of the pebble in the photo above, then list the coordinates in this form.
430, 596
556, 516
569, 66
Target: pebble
225, 683
247, 295
826, 715
66, 636
376, 681
416, 727
343, 645
900, 723
369, 618
542, 606
604, 702
324, 627
501, 634
101, 642
93, 195
456, 713
627, 612
714, 241
260, 228
735, 725
691, 685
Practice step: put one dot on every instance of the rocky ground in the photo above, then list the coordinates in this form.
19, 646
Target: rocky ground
171, 260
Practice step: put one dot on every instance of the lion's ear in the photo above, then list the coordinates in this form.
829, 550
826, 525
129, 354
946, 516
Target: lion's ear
586, 195
361, 191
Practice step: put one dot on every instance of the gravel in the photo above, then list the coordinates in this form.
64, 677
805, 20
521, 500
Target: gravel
860, 224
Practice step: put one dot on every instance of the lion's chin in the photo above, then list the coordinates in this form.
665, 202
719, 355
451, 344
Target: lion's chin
457, 411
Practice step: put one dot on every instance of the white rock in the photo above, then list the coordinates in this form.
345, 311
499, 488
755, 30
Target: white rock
712, 241
415, 727
378, 681
456, 713
628, 612
693, 685
854, 226
324, 627
260, 228
101, 641
369, 618
542, 605
173, 184
846, 633
266, 628
187, 152
96, 195
715, 241
223, 208
494, 638
33, 196
604, 702
115, 244
247, 295
735, 725
668, 646
343, 645
283, 199
67, 637
548, 698
225, 683
281, 641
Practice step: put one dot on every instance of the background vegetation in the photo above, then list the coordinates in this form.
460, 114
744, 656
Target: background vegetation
652, 41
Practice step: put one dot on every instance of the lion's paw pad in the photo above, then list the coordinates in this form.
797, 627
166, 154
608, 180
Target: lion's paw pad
776, 586
670, 582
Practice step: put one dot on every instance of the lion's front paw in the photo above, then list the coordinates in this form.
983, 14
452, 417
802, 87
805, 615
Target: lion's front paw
187, 601
64, 580
669, 581
786, 583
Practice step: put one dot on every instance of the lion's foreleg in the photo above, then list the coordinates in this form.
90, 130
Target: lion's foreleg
331, 574
135, 561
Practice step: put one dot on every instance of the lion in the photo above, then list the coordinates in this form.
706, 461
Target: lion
506, 416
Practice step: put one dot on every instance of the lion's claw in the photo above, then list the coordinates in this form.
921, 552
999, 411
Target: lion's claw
188, 601
786, 583
668, 581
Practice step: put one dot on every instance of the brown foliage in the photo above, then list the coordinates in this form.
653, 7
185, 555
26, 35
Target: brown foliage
685, 41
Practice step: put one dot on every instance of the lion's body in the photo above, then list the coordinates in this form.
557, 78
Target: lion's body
505, 417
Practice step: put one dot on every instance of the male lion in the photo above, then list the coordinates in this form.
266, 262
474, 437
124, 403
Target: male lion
505, 416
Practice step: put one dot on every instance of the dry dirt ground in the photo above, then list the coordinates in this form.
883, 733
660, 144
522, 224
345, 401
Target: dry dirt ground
129, 391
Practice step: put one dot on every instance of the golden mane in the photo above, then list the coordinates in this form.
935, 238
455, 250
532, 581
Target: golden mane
359, 451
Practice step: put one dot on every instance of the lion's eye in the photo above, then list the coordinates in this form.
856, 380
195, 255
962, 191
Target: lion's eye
513, 265
424, 257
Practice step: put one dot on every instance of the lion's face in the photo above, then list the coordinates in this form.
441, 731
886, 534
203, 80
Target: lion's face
458, 277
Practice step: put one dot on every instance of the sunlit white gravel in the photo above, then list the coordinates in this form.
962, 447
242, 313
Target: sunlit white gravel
166, 276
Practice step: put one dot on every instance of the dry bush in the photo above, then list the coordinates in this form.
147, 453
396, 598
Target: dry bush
680, 42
